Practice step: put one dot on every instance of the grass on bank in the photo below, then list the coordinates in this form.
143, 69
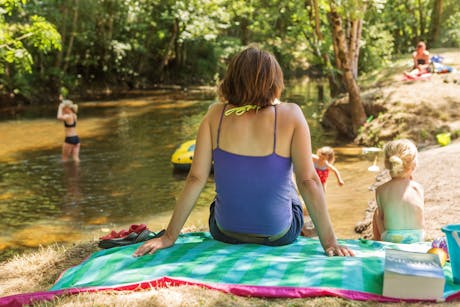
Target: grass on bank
37, 271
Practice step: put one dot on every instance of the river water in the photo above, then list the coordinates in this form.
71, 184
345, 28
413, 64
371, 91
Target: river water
125, 176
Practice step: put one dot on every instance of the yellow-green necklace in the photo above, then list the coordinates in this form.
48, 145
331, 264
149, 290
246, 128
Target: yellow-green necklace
242, 109
248, 107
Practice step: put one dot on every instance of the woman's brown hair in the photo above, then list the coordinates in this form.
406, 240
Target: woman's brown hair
253, 77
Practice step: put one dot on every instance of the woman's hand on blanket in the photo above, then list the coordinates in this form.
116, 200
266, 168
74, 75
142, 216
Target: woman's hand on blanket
151, 246
339, 250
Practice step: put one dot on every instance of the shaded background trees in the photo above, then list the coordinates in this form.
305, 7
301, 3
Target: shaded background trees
91, 46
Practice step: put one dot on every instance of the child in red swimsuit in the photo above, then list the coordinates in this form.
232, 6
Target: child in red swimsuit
323, 161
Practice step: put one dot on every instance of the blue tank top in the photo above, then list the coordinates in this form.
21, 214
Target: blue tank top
254, 194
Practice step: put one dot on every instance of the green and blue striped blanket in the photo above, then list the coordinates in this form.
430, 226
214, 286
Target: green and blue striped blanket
297, 270
196, 257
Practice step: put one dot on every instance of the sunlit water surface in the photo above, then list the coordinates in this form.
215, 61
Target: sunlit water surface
125, 175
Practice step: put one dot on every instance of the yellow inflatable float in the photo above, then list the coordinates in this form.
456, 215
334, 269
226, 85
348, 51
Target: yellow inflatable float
183, 156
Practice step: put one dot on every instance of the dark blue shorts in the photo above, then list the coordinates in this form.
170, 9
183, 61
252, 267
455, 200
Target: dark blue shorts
288, 238
74, 140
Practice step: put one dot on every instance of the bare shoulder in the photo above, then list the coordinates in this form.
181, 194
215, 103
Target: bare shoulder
290, 110
289, 106
416, 186
379, 189
216, 106
383, 187
215, 110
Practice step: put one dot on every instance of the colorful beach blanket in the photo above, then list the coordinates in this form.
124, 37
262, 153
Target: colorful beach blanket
297, 270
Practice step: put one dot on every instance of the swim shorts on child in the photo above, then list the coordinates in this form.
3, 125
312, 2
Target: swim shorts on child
74, 140
405, 236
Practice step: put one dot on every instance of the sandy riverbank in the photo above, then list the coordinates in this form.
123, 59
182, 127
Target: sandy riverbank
417, 110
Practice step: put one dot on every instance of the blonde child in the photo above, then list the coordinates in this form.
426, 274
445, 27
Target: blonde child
67, 112
323, 161
399, 215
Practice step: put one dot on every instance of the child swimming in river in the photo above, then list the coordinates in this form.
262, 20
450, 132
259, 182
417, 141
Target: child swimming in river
399, 216
67, 112
323, 161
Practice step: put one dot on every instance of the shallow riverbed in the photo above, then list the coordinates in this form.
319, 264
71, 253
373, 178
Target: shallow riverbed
125, 176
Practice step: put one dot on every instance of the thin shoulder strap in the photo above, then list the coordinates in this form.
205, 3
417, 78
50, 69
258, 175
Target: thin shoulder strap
220, 124
274, 133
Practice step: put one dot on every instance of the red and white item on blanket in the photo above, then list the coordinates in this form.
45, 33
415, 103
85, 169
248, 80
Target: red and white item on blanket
123, 233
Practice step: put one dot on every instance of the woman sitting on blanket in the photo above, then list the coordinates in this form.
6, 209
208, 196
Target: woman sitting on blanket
421, 58
254, 140
399, 217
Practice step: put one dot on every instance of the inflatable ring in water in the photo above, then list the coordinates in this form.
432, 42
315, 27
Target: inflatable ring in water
183, 156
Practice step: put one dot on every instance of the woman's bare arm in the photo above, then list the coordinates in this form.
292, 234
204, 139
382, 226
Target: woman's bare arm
61, 115
194, 184
310, 186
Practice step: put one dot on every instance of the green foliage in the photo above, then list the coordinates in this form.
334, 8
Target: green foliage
409, 21
22, 35
199, 19
376, 48
8, 6
450, 37
94, 44
43, 35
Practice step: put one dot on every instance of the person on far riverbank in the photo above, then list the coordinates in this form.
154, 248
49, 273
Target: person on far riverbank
255, 142
67, 112
399, 217
323, 161
421, 65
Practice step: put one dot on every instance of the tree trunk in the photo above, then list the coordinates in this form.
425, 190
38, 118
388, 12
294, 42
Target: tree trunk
63, 31
71, 37
320, 89
244, 36
316, 12
336, 86
353, 52
171, 43
415, 29
435, 25
422, 20
358, 115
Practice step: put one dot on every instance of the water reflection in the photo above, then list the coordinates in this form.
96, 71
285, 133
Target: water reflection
73, 195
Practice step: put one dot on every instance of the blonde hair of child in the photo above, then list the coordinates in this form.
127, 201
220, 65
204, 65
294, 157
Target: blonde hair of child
400, 157
328, 152
69, 104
